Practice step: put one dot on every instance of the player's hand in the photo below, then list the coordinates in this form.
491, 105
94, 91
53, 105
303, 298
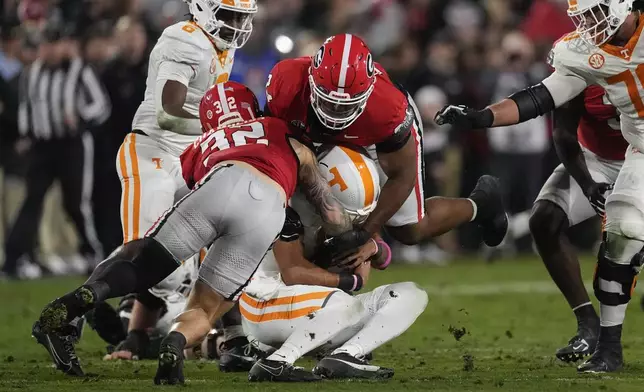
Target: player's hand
364, 253
464, 117
363, 269
338, 247
596, 194
131, 348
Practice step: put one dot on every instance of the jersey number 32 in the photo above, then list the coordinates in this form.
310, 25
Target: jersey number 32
233, 136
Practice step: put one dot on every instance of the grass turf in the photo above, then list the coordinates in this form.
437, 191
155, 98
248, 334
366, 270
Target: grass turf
510, 316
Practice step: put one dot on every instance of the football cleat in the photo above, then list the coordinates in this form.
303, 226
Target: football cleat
60, 346
579, 347
267, 370
170, 369
491, 216
343, 365
61, 311
238, 355
607, 358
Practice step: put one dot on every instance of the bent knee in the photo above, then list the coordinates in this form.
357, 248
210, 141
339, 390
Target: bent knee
347, 306
547, 220
624, 219
410, 293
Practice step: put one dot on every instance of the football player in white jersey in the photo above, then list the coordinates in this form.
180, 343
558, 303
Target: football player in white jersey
606, 49
189, 58
300, 308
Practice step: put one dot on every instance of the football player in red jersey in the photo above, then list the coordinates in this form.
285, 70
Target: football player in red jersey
242, 172
342, 96
591, 148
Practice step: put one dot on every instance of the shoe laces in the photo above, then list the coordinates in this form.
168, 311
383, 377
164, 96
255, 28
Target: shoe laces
68, 345
251, 348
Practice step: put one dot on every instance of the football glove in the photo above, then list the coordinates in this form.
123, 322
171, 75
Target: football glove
596, 194
335, 249
464, 117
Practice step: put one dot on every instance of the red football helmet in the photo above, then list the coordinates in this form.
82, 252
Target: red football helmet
342, 76
227, 103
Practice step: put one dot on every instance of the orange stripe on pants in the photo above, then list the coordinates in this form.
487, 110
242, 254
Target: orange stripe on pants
137, 188
283, 300
286, 315
125, 202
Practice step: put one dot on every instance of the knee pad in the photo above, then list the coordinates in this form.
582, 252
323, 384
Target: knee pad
614, 283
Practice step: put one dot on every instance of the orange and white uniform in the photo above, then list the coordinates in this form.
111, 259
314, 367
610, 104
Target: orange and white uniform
274, 313
148, 160
620, 72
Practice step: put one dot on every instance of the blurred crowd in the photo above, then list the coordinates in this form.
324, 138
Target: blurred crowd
457, 51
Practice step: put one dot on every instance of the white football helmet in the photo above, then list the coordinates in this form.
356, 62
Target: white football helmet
598, 20
228, 22
354, 180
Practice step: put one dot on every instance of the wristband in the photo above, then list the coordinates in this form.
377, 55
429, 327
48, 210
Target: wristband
383, 247
484, 118
350, 282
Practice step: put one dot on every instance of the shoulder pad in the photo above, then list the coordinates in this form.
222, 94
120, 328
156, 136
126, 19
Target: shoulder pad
293, 227
184, 43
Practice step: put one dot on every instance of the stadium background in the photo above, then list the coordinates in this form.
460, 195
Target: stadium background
459, 51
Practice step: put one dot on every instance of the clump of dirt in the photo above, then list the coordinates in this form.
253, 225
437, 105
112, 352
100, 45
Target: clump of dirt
468, 362
458, 333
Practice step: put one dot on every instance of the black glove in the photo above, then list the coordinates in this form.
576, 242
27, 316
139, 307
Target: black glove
336, 248
464, 117
136, 342
596, 194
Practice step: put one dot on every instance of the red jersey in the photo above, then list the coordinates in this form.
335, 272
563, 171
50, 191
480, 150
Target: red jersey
386, 121
598, 129
262, 143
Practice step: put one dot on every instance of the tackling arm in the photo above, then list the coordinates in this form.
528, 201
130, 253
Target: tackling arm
318, 192
399, 166
564, 135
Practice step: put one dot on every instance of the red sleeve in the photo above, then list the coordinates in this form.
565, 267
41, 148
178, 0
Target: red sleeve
277, 99
188, 157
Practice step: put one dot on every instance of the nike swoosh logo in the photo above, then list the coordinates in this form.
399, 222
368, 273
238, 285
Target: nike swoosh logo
274, 371
57, 358
366, 368
583, 345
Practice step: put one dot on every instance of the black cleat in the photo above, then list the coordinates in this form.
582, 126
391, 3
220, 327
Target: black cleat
579, 347
60, 346
491, 216
266, 370
170, 370
343, 365
61, 311
607, 358
238, 355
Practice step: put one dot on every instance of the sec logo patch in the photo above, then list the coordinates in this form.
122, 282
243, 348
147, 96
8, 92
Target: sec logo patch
596, 60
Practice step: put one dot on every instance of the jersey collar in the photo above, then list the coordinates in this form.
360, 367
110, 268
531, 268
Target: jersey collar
625, 52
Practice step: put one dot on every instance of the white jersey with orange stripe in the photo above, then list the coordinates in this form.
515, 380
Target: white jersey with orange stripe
617, 69
183, 53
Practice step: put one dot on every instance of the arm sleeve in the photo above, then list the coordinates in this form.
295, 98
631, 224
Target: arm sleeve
564, 86
180, 72
401, 133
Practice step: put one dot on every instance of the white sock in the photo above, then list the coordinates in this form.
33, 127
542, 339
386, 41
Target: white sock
475, 209
232, 332
396, 307
340, 313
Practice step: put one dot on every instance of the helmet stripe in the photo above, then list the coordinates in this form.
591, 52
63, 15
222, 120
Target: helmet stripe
222, 98
365, 174
344, 65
